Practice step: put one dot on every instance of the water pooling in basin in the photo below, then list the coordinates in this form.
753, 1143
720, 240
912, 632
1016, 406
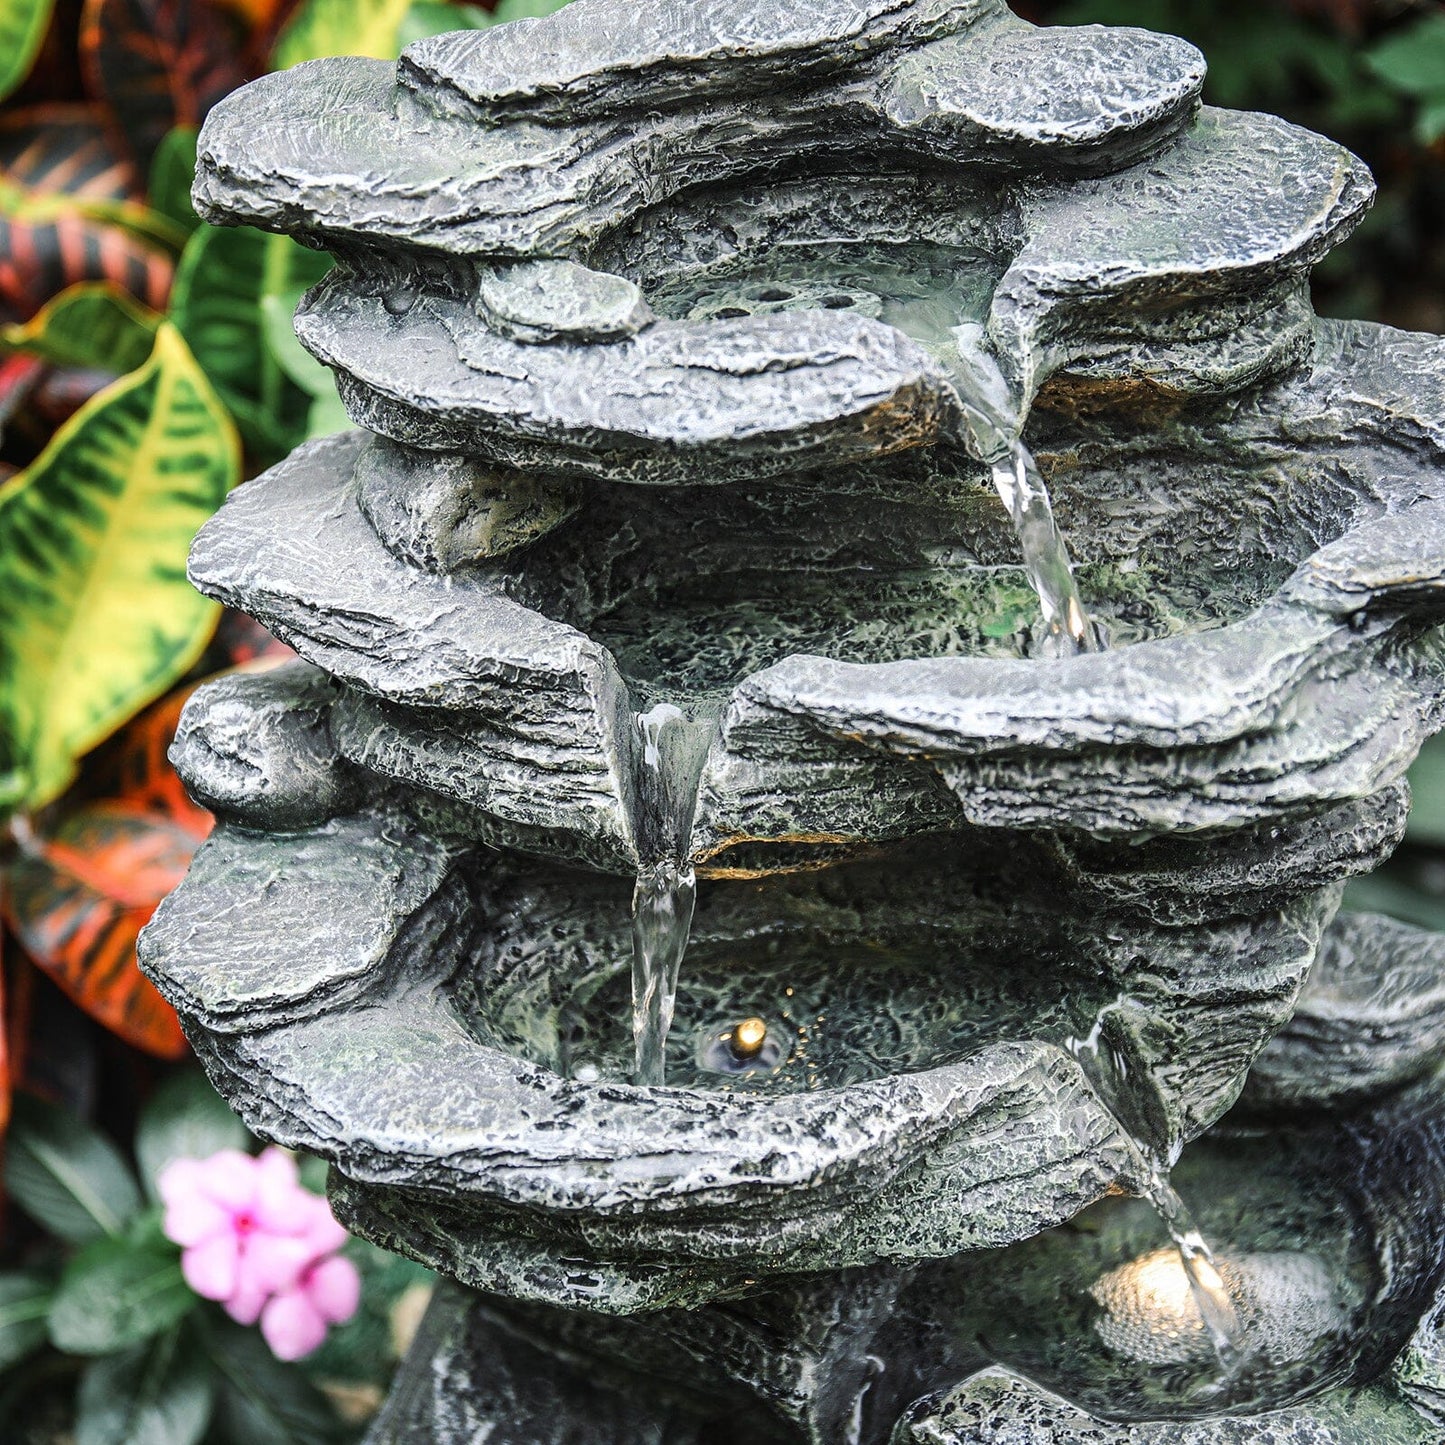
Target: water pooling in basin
832, 1014
1127, 1090
1320, 1236
938, 295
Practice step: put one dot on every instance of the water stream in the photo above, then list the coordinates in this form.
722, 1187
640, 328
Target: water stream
1127, 1094
671, 749
924, 290
995, 425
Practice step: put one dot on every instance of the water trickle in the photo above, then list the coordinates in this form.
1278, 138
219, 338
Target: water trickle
1126, 1093
924, 290
996, 428
671, 749
662, 906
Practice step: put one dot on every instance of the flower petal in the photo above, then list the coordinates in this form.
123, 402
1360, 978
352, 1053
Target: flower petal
193, 1218
245, 1305
334, 1287
211, 1268
292, 1325
180, 1179
322, 1233
281, 1202
229, 1177
274, 1261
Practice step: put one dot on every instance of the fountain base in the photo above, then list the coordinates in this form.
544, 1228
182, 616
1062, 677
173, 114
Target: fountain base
1332, 1246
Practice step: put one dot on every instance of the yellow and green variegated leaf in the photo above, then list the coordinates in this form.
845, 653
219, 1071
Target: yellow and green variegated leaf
23, 24
341, 27
219, 303
98, 618
94, 324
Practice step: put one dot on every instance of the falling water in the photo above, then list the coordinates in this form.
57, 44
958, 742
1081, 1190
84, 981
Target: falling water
671, 752
1106, 1066
995, 427
662, 905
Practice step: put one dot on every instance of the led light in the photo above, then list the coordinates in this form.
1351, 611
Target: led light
749, 1037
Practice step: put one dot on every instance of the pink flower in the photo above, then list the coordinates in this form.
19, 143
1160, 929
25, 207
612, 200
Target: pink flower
255, 1240
326, 1292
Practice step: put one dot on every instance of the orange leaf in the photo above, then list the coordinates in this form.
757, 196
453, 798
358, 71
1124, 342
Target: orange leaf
69, 213
257, 14
78, 897
132, 767
157, 64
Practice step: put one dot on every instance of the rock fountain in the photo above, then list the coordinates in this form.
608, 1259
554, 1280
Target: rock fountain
863, 627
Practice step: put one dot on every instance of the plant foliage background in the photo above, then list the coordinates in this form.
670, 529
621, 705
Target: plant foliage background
147, 366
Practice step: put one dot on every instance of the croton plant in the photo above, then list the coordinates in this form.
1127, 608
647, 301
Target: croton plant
147, 366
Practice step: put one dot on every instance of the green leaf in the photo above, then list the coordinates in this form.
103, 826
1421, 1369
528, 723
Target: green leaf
158, 1394
118, 1292
1413, 60
24, 1305
94, 324
509, 10
341, 27
185, 1119
218, 302
1427, 794
66, 1176
23, 24
173, 171
1430, 122
278, 310
261, 1401
363, 1350
1395, 898
437, 17
99, 617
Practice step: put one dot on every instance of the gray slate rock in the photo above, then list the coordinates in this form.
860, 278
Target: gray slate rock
509, 186
1326, 1232
422, 1002
608, 56
442, 513
751, 397
258, 747
476, 687
997, 1407
1371, 1018
296, 922
541, 301
1158, 265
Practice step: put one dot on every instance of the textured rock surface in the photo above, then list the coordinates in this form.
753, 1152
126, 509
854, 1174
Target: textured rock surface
496, 686
1419, 1373
997, 1407
305, 920
1371, 1018
1328, 1232
442, 513
921, 1128
511, 186
672, 322
259, 746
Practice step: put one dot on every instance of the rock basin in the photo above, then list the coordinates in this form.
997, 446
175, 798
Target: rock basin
677, 336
